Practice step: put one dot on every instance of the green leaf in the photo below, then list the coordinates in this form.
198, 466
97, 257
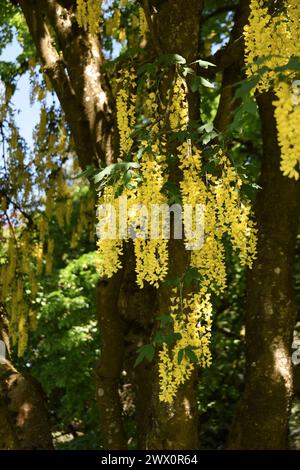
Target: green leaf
250, 107
203, 63
165, 320
173, 192
130, 53
206, 127
246, 86
119, 192
191, 354
172, 281
127, 177
147, 68
187, 70
208, 137
171, 59
171, 338
159, 338
180, 356
206, 83
195, 83
198, 80
192, 275
104, 173
142, 150
250, 190
293, 64
113, 169
145, 352
89, 171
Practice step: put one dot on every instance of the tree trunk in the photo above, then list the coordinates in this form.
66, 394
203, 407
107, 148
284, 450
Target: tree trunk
262, 417
24, 421
176, 25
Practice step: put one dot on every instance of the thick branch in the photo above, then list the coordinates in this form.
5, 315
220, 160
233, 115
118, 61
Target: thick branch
83, 60
75, 77
55, 69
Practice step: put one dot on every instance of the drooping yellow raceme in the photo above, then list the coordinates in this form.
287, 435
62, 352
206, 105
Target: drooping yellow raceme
143, 23
271, 40
13, 277
179, 110
22, 335
112, 24
151, 253
287, 114
88, 15
126, 102
224, 214
192, 320
233, 215
110, 248
28, 248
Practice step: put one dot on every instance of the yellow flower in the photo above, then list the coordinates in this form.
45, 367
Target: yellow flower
125, 102
193, 324
273, 40
287, 114
88, 15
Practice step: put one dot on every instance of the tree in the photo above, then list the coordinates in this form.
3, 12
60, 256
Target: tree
23, 415
147, 126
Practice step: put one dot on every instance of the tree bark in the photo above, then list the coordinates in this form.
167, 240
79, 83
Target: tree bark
138, 308
110, 366
176, 425
72, 60
76, 77
231, 62
176, 25
262, 416
24, 420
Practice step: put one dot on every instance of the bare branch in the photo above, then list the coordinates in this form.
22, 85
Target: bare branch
83, 59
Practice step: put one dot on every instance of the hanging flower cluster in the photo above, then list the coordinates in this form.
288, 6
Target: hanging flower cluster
110, 248
179, 111
224, 214
270, 41
287, 114
126, 99
88, 15
151, 252
143, 25
192, 320
27, 235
